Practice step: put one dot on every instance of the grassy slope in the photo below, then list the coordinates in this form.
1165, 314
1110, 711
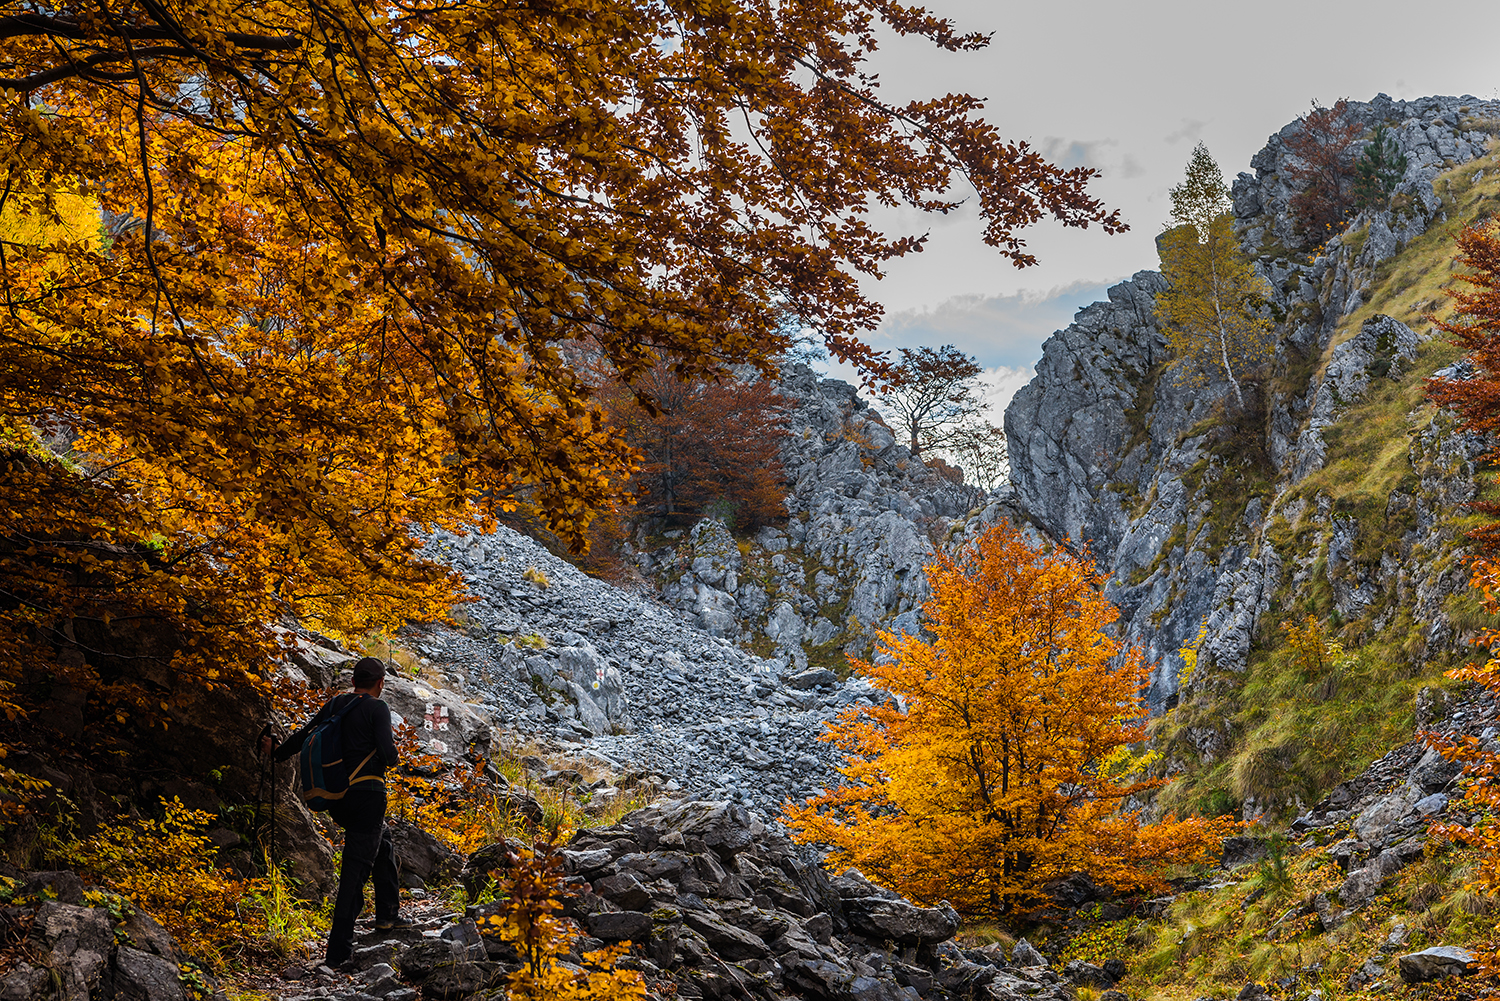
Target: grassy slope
1297, 732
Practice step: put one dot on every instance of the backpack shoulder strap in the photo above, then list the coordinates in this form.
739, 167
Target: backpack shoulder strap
340, 714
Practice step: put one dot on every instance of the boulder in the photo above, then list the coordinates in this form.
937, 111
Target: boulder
1025, 954
1377, 820
63, 886
1082, 974
422, 859
618, 926
1437, 963
814, 678
731, 943
624, 890
485, 860
461, 980
900, 921
78, 941
1071, 890
446, 725
142, 976
725, 827
418, 962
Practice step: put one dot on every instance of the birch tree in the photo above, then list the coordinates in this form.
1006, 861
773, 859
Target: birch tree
1211, 309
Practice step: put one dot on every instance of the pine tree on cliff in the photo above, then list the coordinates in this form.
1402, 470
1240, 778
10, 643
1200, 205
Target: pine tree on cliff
1210, 310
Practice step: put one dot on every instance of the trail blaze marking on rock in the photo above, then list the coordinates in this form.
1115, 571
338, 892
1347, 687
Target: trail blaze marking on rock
436, 718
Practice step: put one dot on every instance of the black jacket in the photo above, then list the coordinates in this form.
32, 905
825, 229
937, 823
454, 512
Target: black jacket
367, 727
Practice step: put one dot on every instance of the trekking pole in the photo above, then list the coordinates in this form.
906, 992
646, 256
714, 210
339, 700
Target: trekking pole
273, 811
260, 787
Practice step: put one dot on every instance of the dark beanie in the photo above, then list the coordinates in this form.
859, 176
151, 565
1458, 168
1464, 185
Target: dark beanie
368, 672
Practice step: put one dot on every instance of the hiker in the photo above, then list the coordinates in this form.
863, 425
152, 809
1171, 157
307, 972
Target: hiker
370, 749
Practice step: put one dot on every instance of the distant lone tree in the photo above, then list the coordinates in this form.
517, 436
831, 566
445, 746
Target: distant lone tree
1005, 763
933, 394
1211, 308
1323, 144
1379, 169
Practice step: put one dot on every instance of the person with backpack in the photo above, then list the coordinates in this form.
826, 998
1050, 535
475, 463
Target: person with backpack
356, 729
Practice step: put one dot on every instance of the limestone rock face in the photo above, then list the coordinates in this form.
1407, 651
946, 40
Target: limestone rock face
1110, 445
850, 560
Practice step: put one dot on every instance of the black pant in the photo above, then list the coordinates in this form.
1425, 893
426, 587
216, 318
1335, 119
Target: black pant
367, 849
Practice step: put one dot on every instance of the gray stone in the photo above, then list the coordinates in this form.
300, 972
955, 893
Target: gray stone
418, 962
1380, 817
616, 926
624, 890
78, 942
422, 859
725, 827
461, 979
1437, 963
728, 941
1025, 954
1083, 974
25, 983
812, 679
1433, 773
142, 976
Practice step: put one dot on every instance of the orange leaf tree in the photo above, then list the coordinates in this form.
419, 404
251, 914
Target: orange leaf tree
1476, 327
1325, 168
348, 246
1001, 765
705, 447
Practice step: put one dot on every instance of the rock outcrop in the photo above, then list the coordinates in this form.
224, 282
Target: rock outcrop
864, 517
78, 943
1110, 446
719, 907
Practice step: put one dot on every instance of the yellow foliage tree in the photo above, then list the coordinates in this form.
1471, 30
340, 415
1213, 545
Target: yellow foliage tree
166, 867
1006, 761
1211, 308
350, 245
1482, 767
529, 892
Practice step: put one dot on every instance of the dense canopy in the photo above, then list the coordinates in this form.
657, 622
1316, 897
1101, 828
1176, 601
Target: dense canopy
344, 246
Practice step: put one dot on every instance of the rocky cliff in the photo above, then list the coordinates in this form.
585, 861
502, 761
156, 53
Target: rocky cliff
1338, 493
864, 518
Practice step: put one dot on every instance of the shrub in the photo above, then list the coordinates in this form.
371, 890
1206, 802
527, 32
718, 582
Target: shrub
530, 893
167, 868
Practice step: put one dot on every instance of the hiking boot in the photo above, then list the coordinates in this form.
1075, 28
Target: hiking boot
397, 923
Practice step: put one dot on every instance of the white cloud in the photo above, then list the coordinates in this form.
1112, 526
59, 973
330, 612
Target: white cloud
1000, 330
998, 385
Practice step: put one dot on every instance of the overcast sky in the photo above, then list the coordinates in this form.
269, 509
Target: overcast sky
1128, 88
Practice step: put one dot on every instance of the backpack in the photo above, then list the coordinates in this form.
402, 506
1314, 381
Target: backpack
320, 764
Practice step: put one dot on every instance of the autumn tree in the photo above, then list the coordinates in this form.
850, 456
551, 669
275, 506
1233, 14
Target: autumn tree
347, 244
1002, 764
1378, 170
1211, 309
1475, 326
1324, 169
1481, 787
704, 447
932, 395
